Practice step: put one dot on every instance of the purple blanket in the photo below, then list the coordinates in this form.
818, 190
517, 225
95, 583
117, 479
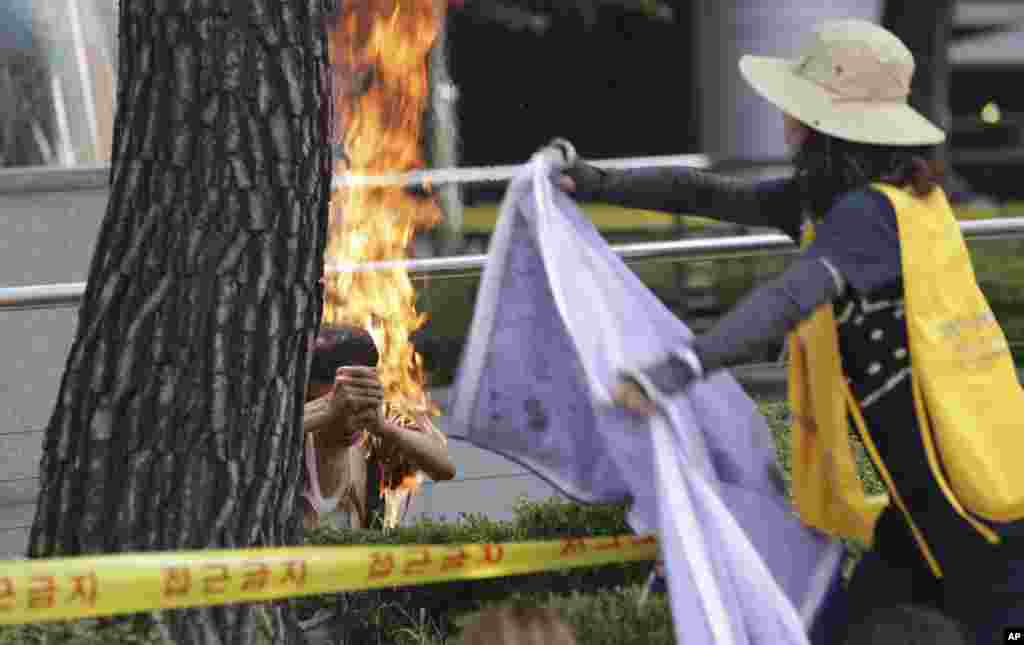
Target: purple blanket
558, 314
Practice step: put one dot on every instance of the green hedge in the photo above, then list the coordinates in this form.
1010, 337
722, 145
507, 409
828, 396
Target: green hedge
131, 631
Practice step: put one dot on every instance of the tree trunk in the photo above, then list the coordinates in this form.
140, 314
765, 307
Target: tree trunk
178, 421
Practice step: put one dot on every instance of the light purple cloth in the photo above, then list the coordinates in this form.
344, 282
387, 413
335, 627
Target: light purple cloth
557, 316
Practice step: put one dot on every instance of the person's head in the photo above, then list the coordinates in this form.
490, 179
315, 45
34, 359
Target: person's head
518, 626
907, 625
335, 347
846, 113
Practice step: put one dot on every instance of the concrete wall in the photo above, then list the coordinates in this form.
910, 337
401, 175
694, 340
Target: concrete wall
49, 220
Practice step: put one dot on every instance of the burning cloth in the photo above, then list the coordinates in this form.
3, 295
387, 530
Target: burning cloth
558, 314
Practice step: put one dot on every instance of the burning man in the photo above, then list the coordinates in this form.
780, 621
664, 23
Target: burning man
362, 456
885, 322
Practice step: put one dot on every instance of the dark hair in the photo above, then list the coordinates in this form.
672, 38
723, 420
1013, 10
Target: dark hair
828, 167
907, 625
339, 346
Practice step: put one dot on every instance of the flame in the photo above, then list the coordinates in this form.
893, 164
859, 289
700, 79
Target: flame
379, 54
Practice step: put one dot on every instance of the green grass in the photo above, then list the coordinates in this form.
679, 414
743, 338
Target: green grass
999, 267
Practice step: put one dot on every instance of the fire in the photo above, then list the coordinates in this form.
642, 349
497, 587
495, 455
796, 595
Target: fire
379, 52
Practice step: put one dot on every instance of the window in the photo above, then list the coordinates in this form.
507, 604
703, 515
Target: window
58, 76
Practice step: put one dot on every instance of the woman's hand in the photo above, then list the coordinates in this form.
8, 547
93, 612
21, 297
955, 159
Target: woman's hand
663, 378
560, 153
628, 394
581, 180
573, 175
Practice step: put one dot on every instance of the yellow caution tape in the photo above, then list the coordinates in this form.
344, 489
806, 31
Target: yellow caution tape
34, 591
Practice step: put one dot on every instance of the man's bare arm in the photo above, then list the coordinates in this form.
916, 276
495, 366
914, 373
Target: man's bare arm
423, 450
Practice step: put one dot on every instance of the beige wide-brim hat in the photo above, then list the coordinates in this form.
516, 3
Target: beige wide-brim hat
851, 81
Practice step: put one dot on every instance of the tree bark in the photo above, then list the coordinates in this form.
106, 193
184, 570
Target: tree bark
178, 420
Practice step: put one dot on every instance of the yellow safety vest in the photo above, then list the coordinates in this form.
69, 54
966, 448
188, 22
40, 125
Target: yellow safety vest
966, 393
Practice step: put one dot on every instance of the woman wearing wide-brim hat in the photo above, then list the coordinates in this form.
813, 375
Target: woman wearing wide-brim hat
858, 305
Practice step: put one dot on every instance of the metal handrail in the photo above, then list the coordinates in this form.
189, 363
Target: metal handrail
53, 296
505, 173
